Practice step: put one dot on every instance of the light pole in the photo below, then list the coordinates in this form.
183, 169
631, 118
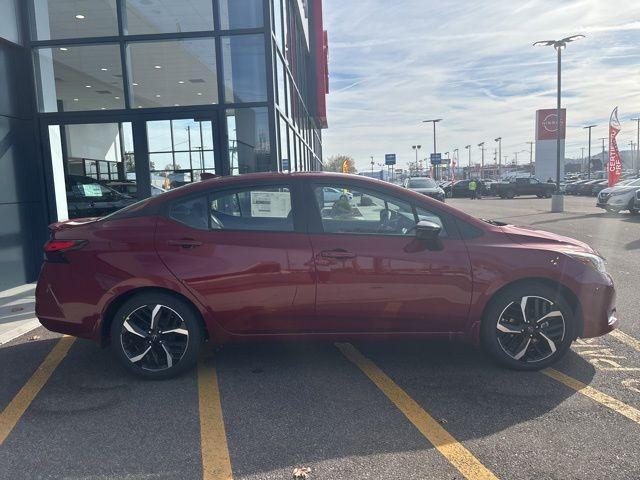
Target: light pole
468, 147
456, 158
481, 145
590, 127
604, 139
499, 140
372, 164
435, 150
530, 159
557, 201
416, 148
582, 163
637, 147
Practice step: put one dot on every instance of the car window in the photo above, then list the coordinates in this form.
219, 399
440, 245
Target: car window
421, 183
256, 209
364, 212
192, 213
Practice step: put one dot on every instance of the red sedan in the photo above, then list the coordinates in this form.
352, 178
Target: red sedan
266, 257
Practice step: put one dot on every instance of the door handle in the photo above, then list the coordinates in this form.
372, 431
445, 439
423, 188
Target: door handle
185, 243
338, 254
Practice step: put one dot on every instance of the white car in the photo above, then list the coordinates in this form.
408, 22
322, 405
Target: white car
620, 197
332, 195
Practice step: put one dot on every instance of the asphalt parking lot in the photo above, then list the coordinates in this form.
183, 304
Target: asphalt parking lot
393, 410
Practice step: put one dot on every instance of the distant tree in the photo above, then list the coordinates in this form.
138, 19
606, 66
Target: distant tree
334, 164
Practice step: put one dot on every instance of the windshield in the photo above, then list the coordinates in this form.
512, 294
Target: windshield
422, 183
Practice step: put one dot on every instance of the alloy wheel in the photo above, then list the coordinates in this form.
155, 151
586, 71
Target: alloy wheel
531, 329
154, 337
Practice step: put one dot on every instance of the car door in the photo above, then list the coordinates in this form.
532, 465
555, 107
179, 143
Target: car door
373, 273
243, 254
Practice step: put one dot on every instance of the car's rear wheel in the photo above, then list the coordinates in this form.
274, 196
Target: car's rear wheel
511, 194
528, 327
156, 335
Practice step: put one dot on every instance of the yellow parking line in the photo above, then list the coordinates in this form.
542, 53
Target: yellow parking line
216, 464
602, 398
447, 445
19, 404
625, 338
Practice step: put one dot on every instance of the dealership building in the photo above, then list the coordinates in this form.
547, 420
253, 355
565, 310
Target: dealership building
105, 101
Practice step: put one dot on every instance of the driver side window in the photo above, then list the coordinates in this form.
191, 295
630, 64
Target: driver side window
350, 211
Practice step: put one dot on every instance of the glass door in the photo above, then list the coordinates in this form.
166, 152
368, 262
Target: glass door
181, 151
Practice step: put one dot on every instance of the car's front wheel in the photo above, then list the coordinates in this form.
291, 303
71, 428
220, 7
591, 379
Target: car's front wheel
528, 327
156, 335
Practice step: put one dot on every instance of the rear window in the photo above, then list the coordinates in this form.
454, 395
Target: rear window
421, 183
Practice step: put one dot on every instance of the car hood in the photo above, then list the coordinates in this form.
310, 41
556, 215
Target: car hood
427, 190
529, 235
623, 189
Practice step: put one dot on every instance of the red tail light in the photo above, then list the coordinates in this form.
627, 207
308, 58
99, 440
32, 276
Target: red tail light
54, 249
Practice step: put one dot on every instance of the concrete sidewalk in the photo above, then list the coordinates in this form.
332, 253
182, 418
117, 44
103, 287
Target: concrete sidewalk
17, 315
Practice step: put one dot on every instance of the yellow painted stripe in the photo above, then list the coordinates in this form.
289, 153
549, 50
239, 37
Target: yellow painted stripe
11, 415
602, 398
447, 445
216, 464
625, 338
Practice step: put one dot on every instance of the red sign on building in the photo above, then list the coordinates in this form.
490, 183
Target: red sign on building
547, 124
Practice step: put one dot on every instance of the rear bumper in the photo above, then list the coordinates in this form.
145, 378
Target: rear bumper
598, 310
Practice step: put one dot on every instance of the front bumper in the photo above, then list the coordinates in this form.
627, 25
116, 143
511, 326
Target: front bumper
598, 310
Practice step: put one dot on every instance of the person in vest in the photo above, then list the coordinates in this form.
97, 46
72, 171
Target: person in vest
473, 189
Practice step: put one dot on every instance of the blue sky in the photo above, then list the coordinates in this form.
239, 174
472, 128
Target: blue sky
472, 63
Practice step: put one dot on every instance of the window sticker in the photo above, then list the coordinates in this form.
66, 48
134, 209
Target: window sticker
91, 190
270, 204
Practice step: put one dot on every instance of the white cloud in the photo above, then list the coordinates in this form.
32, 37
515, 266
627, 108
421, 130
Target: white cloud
394, 64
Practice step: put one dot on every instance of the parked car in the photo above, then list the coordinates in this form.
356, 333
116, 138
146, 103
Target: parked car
86, 197
258, 257
637, 202
460, 189
572, 187
598, 187
586, 188
426, 186
620, 197
332, 195
130, 188
524, 186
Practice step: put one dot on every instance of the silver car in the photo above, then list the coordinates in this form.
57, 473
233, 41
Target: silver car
620, 197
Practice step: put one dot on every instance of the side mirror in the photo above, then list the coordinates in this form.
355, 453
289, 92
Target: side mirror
426, 230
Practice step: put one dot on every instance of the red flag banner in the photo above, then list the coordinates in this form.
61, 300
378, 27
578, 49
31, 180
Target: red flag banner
615, 165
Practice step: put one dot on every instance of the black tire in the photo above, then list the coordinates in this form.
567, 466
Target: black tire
504, 334
344, 197
548, 195
511, 194
173, 345
503, 196
540, 196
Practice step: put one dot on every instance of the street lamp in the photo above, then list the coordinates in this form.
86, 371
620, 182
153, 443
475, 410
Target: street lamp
637, 147
372, 165
481, 145
468, 147
435, 150
590, 127
499, 140
416, 148
604, 139
530, 159
557, 202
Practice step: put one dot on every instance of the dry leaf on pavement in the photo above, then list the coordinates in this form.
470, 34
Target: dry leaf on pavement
301, 472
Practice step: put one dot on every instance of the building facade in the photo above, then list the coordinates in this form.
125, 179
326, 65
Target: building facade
104, 101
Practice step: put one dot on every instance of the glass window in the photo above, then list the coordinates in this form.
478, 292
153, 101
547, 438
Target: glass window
9, 21
86, 77
168, 16
173, 73
282, 86
236, 14
354, 211
180, 152
277, 21
192, 213
249, 144
260, 208
54, 19
284, 147
245, 78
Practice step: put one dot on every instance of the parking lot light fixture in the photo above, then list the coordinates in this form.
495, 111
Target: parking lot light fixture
499, 140
468, 147
557, 202
591, 127
481, 145
637, 166
435, 148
